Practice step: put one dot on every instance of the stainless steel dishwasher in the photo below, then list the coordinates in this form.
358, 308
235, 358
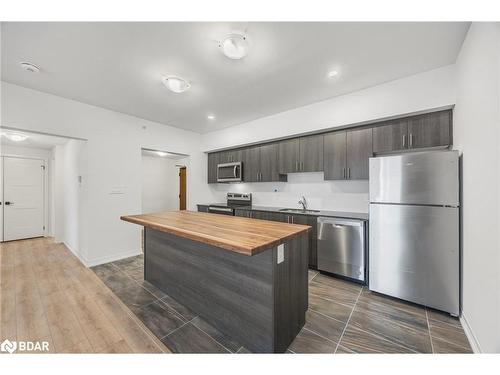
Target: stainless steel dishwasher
341, 247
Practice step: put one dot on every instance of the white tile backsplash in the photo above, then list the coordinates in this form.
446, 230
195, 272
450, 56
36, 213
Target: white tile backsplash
326, 195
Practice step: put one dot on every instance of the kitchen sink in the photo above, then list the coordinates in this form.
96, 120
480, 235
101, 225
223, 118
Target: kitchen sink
298, 210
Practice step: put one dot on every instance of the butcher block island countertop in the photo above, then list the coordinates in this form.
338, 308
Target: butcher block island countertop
238, 234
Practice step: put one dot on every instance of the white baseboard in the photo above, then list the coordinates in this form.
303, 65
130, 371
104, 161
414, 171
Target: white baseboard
112, 258
106, 259
75, 253
474, 343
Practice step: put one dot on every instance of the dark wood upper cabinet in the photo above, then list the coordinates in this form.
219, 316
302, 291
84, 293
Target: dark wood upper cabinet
429, 130
269, 162
390, 137
340, 154
422, 131
311, 153
251, 164
213, 160
346, 154
359, 150
335, 145
260, 163
288, 155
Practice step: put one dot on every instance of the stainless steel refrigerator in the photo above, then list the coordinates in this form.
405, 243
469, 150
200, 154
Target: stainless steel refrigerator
414, 228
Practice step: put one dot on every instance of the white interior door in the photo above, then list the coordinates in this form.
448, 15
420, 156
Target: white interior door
23, 192
1, 199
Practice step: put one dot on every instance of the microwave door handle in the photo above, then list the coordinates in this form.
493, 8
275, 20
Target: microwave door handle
235, 170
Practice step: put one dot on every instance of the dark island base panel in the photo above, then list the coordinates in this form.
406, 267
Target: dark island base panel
253, 299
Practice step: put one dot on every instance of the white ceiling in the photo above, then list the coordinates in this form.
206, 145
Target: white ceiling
34, 140
119, 65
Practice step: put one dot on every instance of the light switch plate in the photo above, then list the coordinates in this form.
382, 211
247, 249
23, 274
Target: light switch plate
281, 253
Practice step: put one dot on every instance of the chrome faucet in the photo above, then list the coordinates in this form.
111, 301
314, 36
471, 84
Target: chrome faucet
303, 202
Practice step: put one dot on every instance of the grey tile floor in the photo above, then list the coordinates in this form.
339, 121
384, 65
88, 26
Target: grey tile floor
343, 317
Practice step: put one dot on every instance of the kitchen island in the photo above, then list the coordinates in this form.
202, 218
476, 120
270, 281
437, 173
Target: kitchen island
246, 277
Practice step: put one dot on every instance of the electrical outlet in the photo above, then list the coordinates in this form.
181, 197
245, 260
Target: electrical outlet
281, 253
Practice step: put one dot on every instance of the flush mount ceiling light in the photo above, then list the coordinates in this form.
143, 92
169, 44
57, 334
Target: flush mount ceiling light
176, 84
15, 137
235, 46
333, 73
29, 67
211, 117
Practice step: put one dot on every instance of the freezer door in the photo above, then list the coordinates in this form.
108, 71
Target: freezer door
414, 254
427, 178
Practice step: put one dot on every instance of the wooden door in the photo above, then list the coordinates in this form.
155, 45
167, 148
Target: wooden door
288, 155
311, 153
182, 188
335, 155
213, 160
430, 130
391, 137
251, 164
359, 150
269, 163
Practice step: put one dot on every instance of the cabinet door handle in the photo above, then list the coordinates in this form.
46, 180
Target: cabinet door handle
296, 166
404, 141
343, 173
301, 165
411, 140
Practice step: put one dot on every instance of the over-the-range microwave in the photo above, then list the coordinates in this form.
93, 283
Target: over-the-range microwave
229, 172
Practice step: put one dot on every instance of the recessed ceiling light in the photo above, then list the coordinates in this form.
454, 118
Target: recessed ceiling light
235, 46
333, 73
176, 84
32, 68
211, 117
161, 153
15, 137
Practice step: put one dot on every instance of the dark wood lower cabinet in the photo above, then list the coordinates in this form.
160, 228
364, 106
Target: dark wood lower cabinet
202, 208
310, 220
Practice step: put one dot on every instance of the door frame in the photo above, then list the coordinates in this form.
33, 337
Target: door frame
45, 190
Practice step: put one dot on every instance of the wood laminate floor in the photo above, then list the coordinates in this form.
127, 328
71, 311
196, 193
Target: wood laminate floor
46, 294
343, 317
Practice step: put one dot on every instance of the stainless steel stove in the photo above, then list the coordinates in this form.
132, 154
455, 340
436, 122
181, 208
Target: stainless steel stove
233, 200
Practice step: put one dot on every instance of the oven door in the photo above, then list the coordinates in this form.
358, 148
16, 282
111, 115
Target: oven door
229, 172
221, 210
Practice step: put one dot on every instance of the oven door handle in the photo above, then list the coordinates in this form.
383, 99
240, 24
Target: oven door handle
220, 209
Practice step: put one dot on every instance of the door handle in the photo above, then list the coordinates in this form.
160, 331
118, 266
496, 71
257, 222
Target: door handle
411, 140
348, 173
343, 173
296, 166
404, 141
301, 165
9, 203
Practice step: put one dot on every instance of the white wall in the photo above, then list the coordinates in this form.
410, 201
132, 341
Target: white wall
160, 184
45, 155
421, 92
111, 184
477, 135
